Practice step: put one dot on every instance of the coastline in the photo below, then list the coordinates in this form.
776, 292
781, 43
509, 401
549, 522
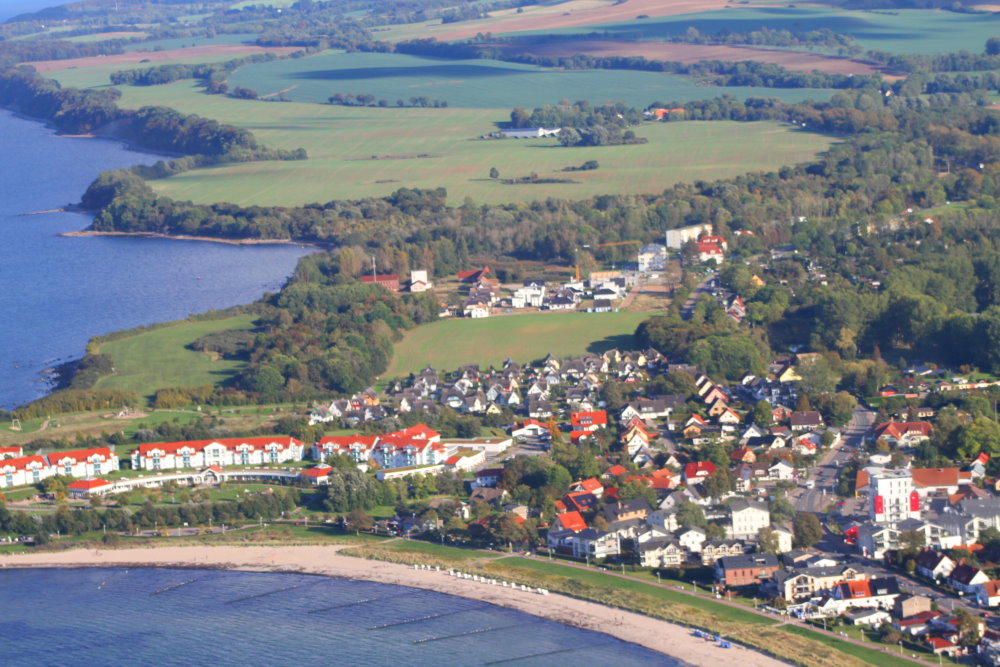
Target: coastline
666, 638
208, 239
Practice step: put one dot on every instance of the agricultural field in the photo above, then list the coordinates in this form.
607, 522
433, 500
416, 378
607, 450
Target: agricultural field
523, 338
478, 83
690, 53
191, 54
359, 152
895, 31
545, 15
160, 358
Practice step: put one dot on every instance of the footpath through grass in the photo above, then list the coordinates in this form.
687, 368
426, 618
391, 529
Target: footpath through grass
447, 344
769, 634
161, 358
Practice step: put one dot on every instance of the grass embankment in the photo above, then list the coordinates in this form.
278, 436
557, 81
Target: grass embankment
342, 141
448, 343
161, 358
801, 646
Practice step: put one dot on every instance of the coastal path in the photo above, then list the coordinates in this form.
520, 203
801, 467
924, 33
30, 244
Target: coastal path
770, 616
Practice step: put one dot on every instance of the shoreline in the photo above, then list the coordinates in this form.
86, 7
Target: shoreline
208, 239
666, 638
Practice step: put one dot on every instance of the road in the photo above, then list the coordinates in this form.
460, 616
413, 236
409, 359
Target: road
824, 478
704, 287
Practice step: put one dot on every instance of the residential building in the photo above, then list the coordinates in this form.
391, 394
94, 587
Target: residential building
24, 470
746, 518
223, 452
652, 257
746, 570
892, 497
84, 462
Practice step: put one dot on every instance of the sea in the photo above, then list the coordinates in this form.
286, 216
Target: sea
57, 292
214, 617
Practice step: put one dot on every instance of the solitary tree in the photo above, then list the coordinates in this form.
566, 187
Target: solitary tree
808, 530
494, 173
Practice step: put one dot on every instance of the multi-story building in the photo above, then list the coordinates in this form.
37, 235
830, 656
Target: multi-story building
892, 497
222, 452
24, 470
83, 462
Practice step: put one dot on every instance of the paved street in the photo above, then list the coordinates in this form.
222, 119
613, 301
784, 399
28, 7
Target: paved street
824, 476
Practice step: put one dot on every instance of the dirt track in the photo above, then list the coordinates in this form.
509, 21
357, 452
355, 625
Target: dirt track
565, 16
691, 53
234, 50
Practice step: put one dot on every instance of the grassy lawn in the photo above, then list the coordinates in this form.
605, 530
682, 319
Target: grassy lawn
161, 358
873, 656
477, 83
441, 551
341, 142
448, 343
597, 578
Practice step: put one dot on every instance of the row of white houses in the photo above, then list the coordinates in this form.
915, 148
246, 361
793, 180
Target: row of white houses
24, 470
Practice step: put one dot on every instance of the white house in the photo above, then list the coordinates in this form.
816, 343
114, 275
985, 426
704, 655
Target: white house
83, 462
652, 257
747, 517
223, 452
691, 538
24, 470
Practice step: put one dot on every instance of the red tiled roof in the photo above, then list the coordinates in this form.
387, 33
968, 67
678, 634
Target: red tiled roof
22, 463
590, 485
898, 429
572, 521
79, 455
316, 472
88, 484
699, 469
11, 450
592, 418
932, 477
617, 470
231, 444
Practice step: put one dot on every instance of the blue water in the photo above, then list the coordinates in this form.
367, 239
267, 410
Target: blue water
57, 292
212, 617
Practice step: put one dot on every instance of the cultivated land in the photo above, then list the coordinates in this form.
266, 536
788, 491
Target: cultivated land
523, 338
343, 140
895, 31
559, 14
148, 58
692, 53
160, 358
478, 83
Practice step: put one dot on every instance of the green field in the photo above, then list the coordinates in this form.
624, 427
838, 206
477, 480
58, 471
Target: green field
342, 140
450, 343
479, 83
895, 31
98, 76
160, 358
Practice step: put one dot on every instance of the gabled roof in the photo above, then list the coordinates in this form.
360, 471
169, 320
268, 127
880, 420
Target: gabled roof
231, 444
80, 455
591, 418
699, 469
23, 463
933, 477
572, 521
589, 485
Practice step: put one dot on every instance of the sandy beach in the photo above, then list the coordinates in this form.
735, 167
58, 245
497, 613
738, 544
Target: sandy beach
667, 638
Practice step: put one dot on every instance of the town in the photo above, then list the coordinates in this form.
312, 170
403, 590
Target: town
623, 458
